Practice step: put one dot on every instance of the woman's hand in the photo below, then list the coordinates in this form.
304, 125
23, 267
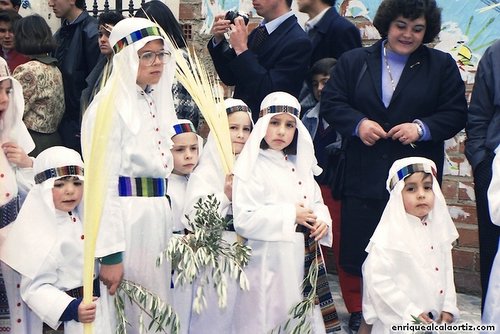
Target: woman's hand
370, 132
406, 133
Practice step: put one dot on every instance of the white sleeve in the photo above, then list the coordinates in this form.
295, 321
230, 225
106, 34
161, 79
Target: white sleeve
47, 301
450, 297
494, 190
323, 214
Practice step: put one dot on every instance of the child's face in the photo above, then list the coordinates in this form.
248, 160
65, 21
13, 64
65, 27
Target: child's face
280, 131
418, 196
5, 90
185, 153
240, 127
318, 83
150, 69
67, 193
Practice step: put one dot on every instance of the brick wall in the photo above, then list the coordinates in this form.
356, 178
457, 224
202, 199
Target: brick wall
457, 184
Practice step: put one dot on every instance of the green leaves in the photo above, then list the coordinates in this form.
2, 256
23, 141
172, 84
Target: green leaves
161, 314
205, 256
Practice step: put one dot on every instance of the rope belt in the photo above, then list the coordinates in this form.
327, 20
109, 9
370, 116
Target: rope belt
142, 186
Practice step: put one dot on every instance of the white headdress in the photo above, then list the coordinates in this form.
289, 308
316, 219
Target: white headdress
38, 215
12, 128
393, 229
186, 126
273, 104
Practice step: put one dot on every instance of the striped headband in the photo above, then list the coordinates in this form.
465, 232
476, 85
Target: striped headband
58, 172
279, 109
410, 169
184, 127
135, 36
237, 108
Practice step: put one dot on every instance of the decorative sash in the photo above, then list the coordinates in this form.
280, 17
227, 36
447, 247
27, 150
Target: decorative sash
142, 186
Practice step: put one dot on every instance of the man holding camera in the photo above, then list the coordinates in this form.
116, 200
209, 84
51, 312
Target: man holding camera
273, 57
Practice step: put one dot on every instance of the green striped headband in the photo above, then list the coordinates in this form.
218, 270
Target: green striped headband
280, 109
58, 172
135, 36
410, 169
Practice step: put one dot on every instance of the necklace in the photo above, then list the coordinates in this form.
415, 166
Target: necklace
389, 69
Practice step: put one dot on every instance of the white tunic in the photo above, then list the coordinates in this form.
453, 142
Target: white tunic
140, 227
399, 285
264, 209
208, 179
491, 314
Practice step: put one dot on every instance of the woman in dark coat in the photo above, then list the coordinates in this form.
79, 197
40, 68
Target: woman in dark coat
394, 99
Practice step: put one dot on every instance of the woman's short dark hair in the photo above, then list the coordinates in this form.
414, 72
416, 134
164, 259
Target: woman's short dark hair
389, 10
158, 12
33, 36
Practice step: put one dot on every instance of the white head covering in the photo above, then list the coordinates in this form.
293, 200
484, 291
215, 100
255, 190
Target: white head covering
12, 129
392, 230
186, 126
35, 226
127, 38
273, 104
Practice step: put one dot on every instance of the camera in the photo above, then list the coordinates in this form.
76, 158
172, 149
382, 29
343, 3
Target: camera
232, 15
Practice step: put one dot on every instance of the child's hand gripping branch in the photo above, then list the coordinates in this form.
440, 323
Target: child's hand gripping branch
307, 218
86, 312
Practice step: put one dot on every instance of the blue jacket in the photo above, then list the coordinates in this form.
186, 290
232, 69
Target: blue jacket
333, 35
430, 89
483, 121
280, 64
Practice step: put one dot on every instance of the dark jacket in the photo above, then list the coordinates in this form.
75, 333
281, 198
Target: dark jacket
483, 122
333, 35
280, 64
77, 53
430, 89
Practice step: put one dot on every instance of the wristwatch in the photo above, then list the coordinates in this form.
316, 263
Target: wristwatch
420, 128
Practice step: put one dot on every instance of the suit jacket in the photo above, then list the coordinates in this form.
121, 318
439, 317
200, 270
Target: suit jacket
280, 64
332, 36
430, 89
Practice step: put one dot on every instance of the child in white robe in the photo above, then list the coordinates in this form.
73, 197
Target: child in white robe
136, 222
49, 231
208, 178
278, 208
16, 179
185, 152
409, 272
491, 314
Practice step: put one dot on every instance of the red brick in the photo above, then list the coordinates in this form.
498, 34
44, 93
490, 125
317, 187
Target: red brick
467, 282
464, 259
449, 189
468, 237
466, 190
189, 11
469, 215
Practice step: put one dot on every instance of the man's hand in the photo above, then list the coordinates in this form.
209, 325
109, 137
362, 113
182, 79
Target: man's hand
239, 35
111, 276
370, 132
220, 27
406, 133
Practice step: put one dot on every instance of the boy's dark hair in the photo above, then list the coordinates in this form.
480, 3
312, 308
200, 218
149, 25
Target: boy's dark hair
15, 3
33, 36
80, 4
159, 12
9, 16
389, 10
322, 66
289, 150
329, 2
110, 17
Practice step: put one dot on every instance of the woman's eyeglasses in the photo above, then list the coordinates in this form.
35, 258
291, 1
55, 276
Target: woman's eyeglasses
148, 58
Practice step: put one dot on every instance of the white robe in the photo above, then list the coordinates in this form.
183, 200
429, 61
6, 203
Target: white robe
264, 210
400, 284
491, 314
206, 179
140, 227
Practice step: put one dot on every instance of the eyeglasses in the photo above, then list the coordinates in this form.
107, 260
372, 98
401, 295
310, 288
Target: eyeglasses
148, 58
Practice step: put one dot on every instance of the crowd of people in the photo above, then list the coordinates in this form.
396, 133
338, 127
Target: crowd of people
335, 145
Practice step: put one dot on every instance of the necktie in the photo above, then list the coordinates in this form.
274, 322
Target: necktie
259, 36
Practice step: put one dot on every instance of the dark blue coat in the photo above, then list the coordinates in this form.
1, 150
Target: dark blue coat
430, 89
333, 35
280, 64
